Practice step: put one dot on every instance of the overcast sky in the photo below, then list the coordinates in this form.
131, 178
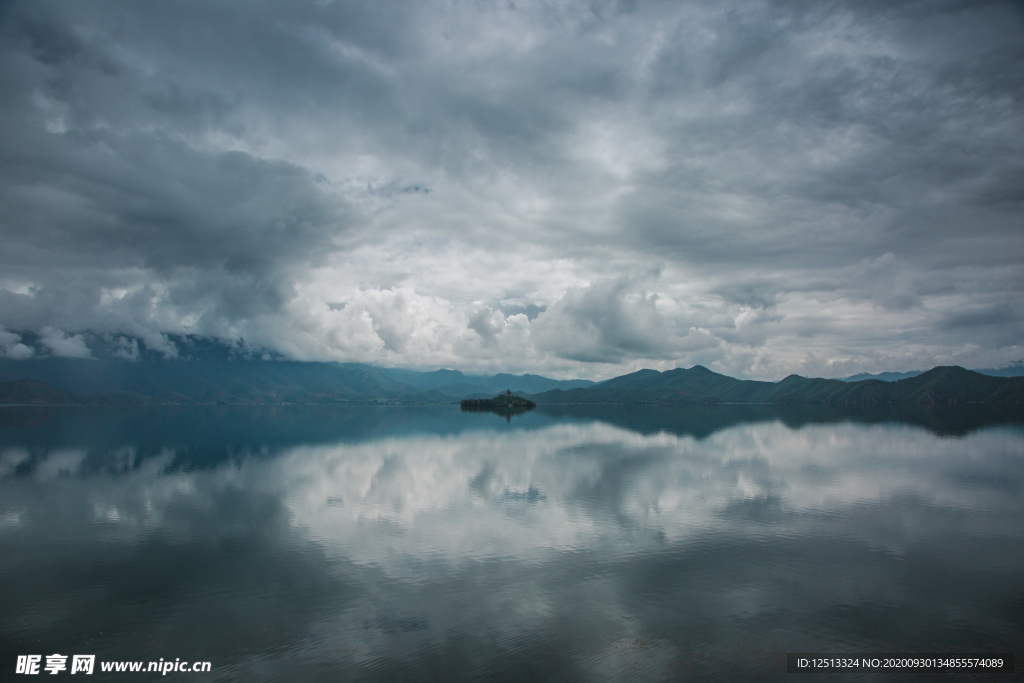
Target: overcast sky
577, 189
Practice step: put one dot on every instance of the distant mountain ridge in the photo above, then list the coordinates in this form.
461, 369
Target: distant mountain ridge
118, 382
698, 385
1016, 370
883, 376
222, 380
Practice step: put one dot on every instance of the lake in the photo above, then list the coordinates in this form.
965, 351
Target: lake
423, 543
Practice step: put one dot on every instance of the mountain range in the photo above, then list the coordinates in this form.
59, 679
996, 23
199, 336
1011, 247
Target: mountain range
239, 381
1015, 370
223, 380
698, 385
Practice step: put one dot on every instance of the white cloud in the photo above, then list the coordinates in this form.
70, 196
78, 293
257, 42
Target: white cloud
12, 346
62, 344
126, 348
610, 320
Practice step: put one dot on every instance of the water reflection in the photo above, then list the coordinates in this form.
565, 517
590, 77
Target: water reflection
505, 411
568, 544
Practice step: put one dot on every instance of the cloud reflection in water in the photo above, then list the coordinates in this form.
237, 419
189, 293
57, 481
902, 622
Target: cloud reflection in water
557, 550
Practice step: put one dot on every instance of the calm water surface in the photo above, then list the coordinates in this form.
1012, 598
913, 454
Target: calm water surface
428, 544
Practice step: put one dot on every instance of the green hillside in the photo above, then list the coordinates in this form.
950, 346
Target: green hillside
30, 391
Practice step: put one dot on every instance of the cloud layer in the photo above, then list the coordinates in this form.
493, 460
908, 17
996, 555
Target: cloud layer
576, 188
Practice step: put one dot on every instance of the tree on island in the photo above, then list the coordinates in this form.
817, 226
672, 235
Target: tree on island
506, 401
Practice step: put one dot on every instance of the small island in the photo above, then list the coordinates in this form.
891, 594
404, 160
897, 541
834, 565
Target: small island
506, 401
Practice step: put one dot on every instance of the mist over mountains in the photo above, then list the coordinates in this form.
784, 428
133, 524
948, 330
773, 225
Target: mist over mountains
119, 382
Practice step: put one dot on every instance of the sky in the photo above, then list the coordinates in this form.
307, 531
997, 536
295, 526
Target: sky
568, 188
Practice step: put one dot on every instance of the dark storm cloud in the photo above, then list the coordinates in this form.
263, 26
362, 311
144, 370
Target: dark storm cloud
833, 180
897, 131
120, 198
224, 220
755, 294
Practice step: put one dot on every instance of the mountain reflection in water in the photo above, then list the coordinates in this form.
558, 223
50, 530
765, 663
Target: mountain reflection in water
572, 543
